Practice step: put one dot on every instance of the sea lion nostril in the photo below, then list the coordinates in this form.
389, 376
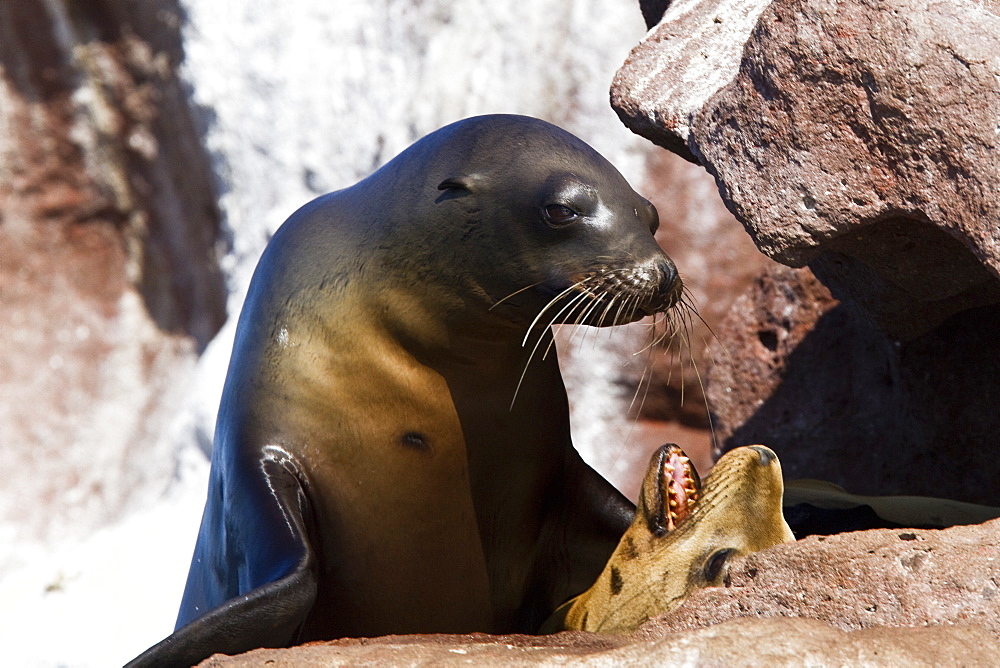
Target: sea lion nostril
668, 274
766, 454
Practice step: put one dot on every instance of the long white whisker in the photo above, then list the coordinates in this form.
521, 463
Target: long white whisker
546, 308
586, 315
578, 301
541, 336
516, 292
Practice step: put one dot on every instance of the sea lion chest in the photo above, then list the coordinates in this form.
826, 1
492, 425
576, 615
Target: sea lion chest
387, 463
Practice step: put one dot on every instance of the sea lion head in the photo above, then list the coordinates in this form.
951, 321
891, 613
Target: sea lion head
537, 219
682, 537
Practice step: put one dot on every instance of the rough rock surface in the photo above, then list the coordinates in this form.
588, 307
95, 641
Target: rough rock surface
860, 580
813, 379
692, 53
108, 283
874, 598
861, 139
742, 642
877, 121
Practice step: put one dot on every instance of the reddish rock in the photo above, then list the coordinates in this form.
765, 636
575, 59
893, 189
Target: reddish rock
739, 642
860, 138
860, 580
815, 381
751, 356
108, 231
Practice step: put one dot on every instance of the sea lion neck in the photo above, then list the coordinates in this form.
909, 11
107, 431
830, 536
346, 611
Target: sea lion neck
447, 332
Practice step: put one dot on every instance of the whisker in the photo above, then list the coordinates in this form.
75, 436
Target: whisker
580, 302
516, 292
570, 306
701, 382
586, 315
547, 307
607, 309
541, 336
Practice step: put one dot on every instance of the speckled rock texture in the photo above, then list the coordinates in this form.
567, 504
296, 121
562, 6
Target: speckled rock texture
693, 53
108, 281
860, 580
862, 138
741, 642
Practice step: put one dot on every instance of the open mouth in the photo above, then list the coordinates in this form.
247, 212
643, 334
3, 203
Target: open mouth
678, 489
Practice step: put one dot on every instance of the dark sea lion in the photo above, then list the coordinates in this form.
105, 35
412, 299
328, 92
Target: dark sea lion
818, 507
682, 537
370, 473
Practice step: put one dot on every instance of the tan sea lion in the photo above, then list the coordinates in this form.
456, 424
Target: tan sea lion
370, 473
681, 538
684, 533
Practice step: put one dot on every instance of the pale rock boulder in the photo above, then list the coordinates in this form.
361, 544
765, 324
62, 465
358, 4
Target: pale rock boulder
860, 580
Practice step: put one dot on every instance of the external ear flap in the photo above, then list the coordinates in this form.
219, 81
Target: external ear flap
458, 183
456, 186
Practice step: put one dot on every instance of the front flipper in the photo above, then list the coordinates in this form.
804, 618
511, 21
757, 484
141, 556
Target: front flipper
254, 569
823, 508
681, 538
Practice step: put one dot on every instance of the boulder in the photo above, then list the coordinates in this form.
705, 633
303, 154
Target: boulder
859, 580
742, 642
859, 138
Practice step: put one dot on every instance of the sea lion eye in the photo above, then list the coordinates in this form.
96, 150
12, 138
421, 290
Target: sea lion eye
715, 563
559, 214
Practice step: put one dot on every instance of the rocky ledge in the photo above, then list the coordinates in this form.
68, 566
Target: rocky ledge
872, 598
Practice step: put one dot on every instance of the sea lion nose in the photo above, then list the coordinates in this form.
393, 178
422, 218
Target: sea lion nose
766, 454
668, 275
